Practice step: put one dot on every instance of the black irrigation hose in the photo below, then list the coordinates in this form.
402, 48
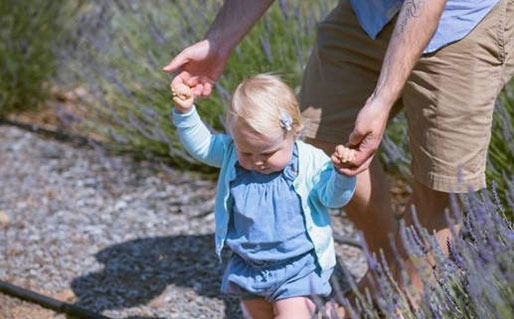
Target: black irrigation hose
47, 302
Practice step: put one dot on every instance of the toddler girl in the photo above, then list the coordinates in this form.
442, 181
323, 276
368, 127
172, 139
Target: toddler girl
273, 195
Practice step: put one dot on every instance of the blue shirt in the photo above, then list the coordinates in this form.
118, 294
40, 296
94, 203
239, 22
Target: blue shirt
266, 222
457, 20
317, 184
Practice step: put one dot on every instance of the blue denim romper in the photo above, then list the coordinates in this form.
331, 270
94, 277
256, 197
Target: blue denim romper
272, 255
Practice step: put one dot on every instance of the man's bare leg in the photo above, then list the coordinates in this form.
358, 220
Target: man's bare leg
429, 206
380, 221
371, 211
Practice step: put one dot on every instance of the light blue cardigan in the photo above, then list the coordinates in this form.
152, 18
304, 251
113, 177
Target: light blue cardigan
319, 186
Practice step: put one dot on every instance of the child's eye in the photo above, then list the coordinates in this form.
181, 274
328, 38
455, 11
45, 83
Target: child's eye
268, 154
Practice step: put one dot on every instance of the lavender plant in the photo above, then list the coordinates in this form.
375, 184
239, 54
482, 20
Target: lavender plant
476, 279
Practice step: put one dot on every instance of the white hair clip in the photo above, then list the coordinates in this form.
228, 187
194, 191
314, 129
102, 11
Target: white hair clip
286, 121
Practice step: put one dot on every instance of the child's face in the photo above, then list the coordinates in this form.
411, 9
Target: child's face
259, 153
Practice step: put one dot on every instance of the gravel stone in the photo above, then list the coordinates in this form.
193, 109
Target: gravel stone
123, 238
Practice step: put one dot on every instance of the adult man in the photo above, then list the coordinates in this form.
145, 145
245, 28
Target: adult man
446, 59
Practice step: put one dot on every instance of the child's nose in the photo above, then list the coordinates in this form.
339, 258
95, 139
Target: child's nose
258, 160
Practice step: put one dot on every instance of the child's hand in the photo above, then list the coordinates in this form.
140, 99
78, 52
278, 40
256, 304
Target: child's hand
182, 96
342, 157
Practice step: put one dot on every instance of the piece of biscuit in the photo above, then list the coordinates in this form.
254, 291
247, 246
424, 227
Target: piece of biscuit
346, 155
181, 91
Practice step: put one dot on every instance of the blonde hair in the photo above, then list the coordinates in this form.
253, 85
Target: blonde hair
263, 102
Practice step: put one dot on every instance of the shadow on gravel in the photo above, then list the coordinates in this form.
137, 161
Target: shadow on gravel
137, 272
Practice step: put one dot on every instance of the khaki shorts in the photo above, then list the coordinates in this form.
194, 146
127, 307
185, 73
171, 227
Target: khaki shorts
448, 99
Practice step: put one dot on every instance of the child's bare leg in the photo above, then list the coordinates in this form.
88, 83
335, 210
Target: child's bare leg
257, 309
295, 307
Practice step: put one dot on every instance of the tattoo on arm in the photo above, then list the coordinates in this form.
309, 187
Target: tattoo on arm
411, 9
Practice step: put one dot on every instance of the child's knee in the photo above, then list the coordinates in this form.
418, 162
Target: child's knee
296, 307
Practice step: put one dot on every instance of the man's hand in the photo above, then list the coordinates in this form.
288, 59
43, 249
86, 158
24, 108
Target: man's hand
182, 96
198, 66
366, 136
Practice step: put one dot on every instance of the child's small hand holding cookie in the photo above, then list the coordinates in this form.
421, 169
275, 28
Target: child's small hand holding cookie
182, 96
342, 157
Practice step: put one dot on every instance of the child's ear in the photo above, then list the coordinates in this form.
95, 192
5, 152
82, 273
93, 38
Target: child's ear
298, 131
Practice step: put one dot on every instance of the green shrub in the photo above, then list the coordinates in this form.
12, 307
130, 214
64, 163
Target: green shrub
124, 45
31, 31
500, 162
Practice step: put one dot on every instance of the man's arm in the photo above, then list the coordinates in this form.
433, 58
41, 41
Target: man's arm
417, 21
201, 64
234, 20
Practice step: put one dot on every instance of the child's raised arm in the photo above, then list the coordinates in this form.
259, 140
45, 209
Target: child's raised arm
197, 139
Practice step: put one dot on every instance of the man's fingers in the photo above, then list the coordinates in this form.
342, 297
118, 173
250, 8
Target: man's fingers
207, 89
355, 170
359, 161
202, 85
175, 64
363, 153
365, 146
355, 138
197, 89
193, 82
180, 79
351, 161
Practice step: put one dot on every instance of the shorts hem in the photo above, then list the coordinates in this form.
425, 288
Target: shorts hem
247, 295
453, 184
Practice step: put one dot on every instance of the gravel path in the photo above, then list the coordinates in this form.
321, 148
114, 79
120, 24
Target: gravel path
122, 238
